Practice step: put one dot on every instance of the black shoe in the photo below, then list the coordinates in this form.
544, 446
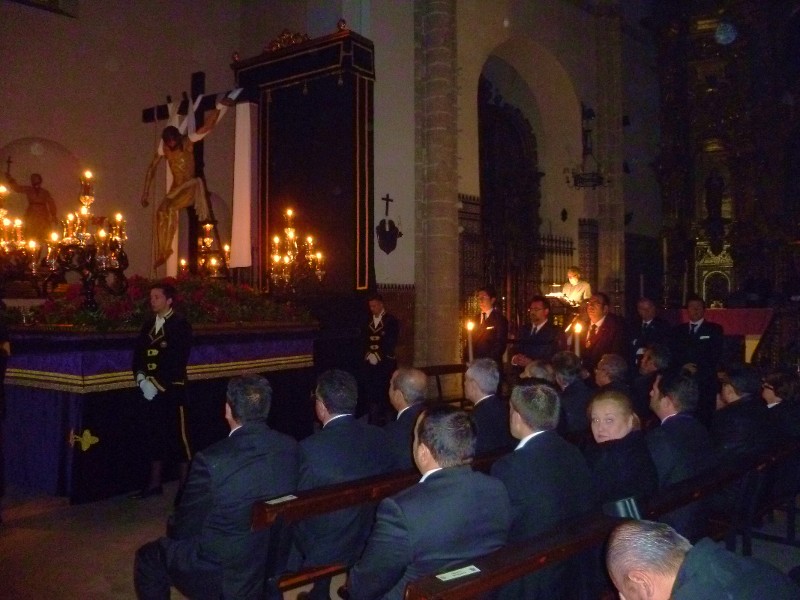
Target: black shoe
146, 493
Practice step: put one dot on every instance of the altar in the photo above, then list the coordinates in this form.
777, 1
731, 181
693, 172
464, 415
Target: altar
72, 415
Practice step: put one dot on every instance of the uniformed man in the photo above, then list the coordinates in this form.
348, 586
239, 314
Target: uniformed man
380, 340
159, 367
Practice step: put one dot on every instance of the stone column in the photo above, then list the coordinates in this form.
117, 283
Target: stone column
436, 338
610, 152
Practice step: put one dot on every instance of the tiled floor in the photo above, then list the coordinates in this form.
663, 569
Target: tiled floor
49, 549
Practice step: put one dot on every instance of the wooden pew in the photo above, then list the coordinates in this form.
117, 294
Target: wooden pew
514, 561
285, 510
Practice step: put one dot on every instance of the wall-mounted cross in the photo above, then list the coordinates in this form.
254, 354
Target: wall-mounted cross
387, 199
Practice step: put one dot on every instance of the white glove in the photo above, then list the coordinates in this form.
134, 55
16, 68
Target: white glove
148, 389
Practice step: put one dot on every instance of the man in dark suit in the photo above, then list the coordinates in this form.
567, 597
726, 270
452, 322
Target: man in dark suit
655, 360
344, 450
491, 333
740, 427
680, 446
697, 347
547, 479
651, 560
605, 333
159, 367
379, 335
490, 411
575, 394
210, 551
453, 514
650, 329
540, 339
407, 395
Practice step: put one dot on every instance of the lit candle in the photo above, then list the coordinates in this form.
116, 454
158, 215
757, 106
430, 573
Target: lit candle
183, 265
6, 228
577, 328
18, 230
289, 215
470, 327
275, 243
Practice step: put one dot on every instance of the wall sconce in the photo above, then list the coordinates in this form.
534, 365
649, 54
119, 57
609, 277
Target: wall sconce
588, 174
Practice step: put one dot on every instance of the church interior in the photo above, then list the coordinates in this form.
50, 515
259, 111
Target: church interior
428, 148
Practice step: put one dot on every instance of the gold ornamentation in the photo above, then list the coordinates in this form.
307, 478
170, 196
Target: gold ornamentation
86, 440
286, 39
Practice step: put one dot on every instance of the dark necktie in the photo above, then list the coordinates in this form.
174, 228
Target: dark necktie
693, 328
592, 333
483, 317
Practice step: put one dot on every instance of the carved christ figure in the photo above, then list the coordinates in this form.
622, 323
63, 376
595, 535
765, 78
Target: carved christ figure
187, 189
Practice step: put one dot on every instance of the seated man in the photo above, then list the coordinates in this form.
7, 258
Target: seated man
490, 411
407, 396
547, 479
575, 394
680, 446
453, 514
740, 425
651, 560
345, 449
211, 552
655, 360
611, 375
540, 339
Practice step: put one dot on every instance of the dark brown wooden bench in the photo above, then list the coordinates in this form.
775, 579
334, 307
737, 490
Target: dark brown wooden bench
440, 371
285, 510
514, 561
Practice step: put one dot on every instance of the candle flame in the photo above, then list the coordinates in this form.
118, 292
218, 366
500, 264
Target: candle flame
470, 325
289, 212
54, 236
87, 174
118, 217
578, 327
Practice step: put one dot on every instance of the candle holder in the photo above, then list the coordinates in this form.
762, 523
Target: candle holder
295, 262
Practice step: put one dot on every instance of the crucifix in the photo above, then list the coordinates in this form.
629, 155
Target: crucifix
387, 231
185, 153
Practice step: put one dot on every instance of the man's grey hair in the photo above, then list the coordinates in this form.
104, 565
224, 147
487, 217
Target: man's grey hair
539, 369
614, 366
660, 355
567, 366
646, 546
412, 383
484, 372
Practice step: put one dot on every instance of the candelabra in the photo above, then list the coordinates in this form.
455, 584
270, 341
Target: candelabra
91, 246
294, 261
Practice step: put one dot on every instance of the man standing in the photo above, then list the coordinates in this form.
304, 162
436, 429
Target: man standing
605, 334
680, 446
344, 450
379, 337
407, 396
491, 334
697, 347
159, 367
490, 411
453, 514
651, 560
541, 339
547, 479
211, 551
651, 329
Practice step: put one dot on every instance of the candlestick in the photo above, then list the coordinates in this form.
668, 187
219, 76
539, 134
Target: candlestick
576, 329
470, 327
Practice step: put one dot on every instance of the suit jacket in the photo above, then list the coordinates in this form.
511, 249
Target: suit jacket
544, 344
574, 400
681, 448
611, 338
345, 449
491, 420
741, 429
548, 483
400, 433
709, 572
490, 337
657, 331
211, 526
703, 348
162, 356
454, 515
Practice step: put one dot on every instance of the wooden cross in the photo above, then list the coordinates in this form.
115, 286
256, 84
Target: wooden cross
387, 199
